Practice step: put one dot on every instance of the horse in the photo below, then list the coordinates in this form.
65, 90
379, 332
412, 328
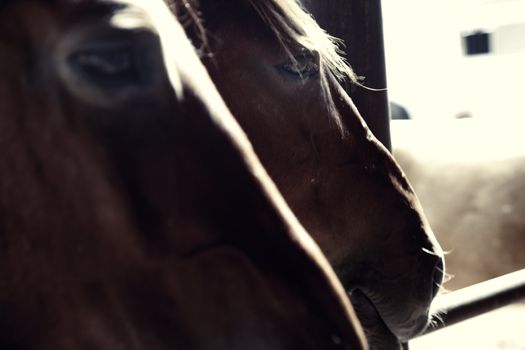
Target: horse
133, 211
280, 74
469, 175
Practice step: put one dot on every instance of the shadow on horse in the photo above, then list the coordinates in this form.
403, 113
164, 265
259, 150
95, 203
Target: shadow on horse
133, 212
280, 74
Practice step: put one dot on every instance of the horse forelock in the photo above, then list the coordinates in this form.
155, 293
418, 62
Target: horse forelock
292, 26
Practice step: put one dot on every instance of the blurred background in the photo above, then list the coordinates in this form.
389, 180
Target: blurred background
456, 76
453, 58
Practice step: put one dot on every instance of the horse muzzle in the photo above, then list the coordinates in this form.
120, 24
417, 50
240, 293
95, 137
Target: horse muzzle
390, 320
378, 335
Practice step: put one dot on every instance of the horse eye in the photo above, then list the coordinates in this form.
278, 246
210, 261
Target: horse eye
108, 66
302, 66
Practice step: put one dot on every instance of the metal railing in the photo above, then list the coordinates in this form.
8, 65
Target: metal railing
477, 299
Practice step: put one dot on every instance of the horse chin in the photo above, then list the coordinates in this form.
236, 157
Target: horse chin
378, 335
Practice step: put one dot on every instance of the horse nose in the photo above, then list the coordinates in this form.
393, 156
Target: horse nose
437, 280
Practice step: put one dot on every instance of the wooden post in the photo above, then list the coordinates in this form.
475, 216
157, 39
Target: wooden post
359, 23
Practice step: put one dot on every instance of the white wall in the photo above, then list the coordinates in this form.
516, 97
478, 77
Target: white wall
427, 71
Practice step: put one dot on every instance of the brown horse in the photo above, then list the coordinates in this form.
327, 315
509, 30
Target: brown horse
278, 72
133, 213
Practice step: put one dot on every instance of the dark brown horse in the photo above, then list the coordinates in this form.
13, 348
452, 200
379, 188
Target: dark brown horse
133, 213
278, 72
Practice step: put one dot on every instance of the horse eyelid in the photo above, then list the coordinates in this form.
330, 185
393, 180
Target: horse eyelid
303, 65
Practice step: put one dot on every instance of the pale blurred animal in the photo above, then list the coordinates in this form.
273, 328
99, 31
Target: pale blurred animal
470, 178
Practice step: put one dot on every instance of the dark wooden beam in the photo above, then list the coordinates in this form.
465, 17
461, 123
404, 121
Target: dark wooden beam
359, 23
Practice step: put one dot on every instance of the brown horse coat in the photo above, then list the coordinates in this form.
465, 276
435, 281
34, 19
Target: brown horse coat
133, 213
278, 72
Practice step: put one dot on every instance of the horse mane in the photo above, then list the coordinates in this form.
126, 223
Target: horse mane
292, 25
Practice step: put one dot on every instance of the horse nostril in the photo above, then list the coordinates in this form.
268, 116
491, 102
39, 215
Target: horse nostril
437, 280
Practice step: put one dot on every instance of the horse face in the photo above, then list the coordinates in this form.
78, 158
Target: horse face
130, 218
344, 186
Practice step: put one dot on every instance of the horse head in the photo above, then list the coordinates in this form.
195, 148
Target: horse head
133, 212
281, 74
